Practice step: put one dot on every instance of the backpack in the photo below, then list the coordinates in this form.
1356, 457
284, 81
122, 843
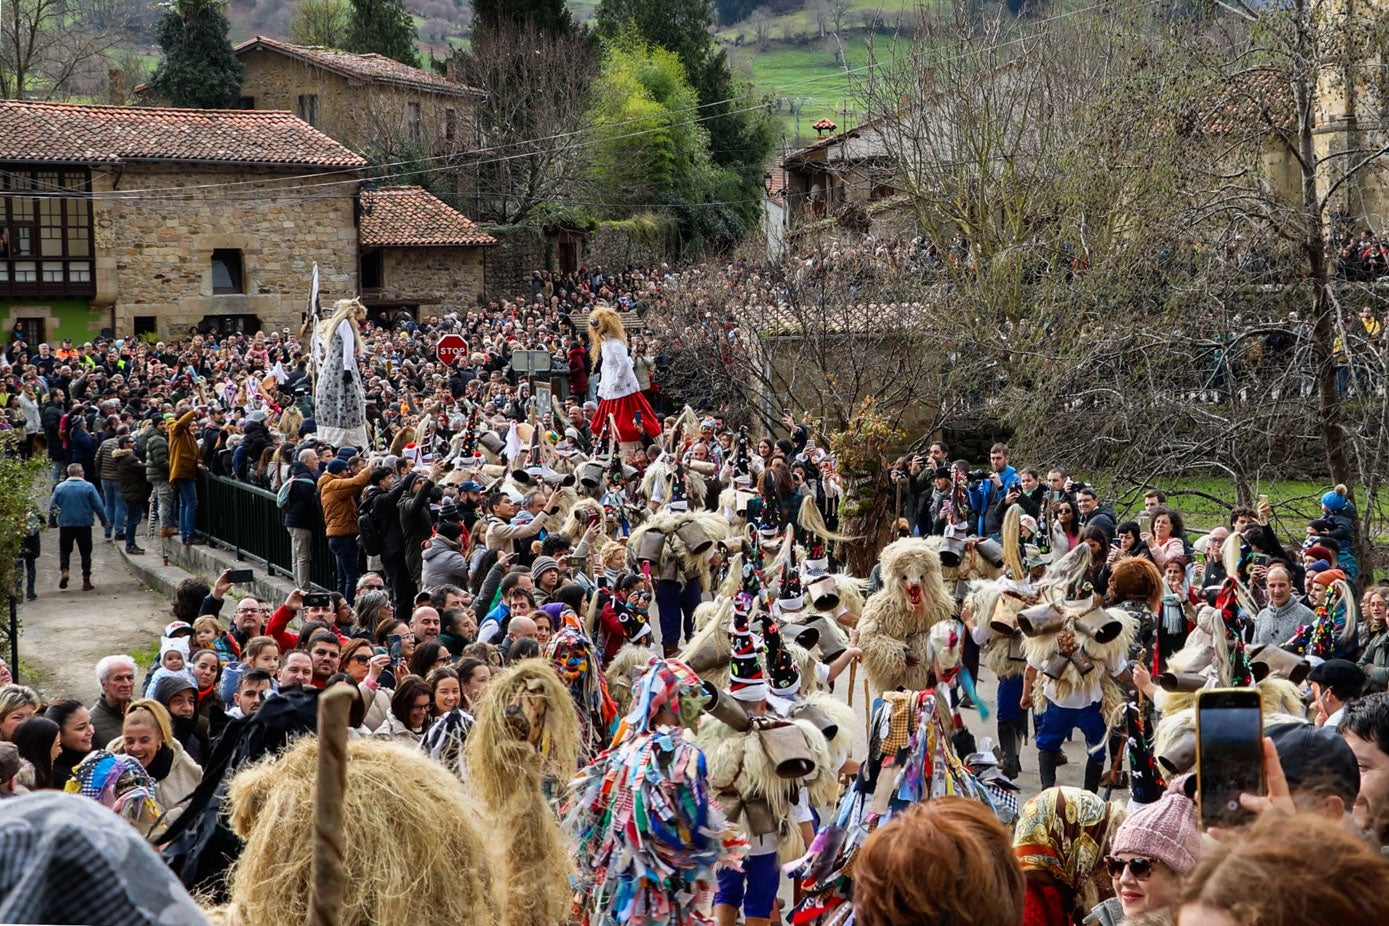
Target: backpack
282, 496
370, 537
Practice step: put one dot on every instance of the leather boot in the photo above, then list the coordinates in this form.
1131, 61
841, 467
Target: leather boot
63, 581
670, 650
1009, 743
1094, 769
1046, 767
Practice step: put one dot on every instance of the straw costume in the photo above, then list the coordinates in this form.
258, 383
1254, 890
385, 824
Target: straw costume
649, 834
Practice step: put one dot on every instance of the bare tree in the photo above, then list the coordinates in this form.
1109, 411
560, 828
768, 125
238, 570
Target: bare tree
761, 23
531, 122
50, 49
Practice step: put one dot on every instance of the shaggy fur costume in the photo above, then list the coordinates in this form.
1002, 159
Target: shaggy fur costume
738, 763
1040, 648
628, 665
896, 619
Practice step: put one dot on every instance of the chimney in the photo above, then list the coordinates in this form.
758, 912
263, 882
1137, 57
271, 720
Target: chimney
115, 86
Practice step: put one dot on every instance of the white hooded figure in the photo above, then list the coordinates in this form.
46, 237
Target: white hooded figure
340, 407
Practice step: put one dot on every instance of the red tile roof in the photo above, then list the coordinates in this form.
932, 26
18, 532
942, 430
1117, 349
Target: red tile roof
370, 68
112, 134
410, 217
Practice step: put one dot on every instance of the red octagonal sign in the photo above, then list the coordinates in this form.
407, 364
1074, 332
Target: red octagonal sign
452, 349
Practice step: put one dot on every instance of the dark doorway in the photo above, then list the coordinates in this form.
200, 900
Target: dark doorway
229, 324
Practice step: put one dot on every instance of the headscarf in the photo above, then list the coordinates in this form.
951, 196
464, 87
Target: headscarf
1063, 832
65, 860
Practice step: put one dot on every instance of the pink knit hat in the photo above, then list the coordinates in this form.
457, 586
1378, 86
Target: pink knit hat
1165, 830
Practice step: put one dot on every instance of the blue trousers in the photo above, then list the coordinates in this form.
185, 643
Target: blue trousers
134, 514
187, 490
345, 552
1058, 722
676, 602
115, 506
754, 888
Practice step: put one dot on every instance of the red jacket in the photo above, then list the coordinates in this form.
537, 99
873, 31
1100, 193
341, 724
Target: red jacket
279, 631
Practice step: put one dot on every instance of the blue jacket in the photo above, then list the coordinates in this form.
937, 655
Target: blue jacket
983, 497
77, 502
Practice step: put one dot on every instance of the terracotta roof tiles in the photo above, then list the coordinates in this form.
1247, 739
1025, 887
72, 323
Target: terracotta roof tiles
371, 68
410, 216
111, 134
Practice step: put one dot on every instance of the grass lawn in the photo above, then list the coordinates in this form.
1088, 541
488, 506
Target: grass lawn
809, 76
1203, 502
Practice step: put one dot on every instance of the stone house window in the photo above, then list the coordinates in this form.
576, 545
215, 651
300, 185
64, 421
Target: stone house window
227, 276
246, 102
308, 108
413, 115
450, 124
371, 271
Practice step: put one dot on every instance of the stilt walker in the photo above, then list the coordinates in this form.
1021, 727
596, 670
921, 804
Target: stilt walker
619, 394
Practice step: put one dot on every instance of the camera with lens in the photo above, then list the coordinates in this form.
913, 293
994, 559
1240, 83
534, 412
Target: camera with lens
976, 475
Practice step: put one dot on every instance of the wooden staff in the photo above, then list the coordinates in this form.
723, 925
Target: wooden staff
328, 882
853, 674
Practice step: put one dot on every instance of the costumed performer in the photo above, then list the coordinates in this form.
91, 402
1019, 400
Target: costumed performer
649, 834
340, 406
619, 393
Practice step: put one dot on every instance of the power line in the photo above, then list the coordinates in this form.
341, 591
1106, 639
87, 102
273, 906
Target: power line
411, 168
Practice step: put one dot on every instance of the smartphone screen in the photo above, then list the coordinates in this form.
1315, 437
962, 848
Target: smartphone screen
1229, 753
393, 648
240, 576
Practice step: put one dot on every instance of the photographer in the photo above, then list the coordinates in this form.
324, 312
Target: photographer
911, 477
991, 496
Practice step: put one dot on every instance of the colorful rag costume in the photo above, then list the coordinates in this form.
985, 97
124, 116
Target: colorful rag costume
649, 835
910, 759
573, 656
118, 781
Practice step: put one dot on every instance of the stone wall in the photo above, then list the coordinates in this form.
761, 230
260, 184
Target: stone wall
154, 250
438, 280
642, 242
369, 118
519, 250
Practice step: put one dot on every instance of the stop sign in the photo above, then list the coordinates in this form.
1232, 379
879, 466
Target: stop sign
451, 349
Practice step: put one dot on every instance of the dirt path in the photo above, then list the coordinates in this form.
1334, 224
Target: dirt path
65, 632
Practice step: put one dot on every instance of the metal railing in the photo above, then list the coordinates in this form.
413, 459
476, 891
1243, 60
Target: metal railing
248, 521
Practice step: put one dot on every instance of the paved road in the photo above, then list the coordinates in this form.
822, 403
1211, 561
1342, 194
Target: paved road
66, 631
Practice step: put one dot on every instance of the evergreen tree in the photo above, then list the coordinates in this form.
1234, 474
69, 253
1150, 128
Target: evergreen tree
546, 17
740, 139
384, 27
198, 68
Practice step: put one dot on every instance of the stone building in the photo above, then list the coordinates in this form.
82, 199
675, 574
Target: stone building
372, 104
419, 254
145, 219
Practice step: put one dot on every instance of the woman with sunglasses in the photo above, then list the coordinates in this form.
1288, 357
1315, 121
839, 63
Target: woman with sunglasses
364, 664
1150, 855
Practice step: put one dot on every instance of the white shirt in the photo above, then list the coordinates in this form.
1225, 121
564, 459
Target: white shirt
1090, 691
616, 378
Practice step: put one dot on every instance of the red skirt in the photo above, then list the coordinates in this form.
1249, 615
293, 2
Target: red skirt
624, 411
